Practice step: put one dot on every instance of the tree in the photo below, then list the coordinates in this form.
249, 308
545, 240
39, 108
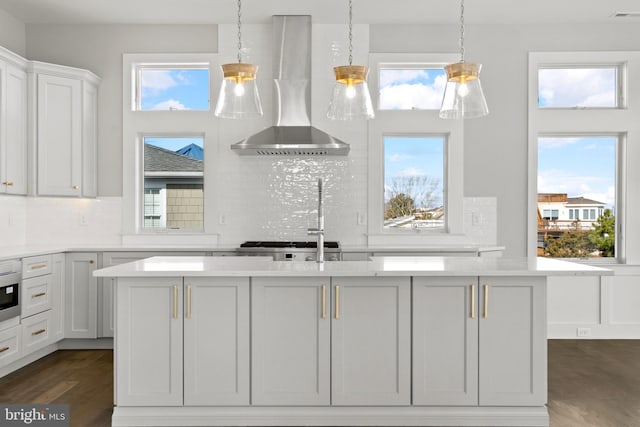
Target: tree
399, 205
422, 189
603, 233
574, 243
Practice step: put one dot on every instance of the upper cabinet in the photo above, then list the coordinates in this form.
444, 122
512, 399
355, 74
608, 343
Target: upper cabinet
13, 123
63, 130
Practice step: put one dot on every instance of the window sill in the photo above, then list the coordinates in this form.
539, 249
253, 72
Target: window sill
197, 239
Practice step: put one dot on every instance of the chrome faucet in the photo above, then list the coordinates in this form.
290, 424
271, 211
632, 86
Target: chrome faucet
320, 230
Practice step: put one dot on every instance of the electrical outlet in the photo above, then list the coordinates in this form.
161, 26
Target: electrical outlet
222, 220
584, 332
83, 220
360, 218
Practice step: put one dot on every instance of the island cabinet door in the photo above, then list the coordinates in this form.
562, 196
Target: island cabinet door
371, 341
445, 341
290, 354
149, 342
216, 341
513, 346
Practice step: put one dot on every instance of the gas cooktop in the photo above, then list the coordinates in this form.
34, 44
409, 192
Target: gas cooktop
288, 245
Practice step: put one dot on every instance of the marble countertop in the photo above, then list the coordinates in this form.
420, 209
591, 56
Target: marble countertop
167, 266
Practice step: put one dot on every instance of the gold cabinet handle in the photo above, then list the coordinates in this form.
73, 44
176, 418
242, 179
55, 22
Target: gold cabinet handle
91, 261
175, 302
324, 302
38, 332
76, 187
3, 349
189, 302
485, 311
473, 301
38, 267
337, 302
8, 183
39, 294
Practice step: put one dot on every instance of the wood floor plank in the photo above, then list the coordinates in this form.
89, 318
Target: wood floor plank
55, 392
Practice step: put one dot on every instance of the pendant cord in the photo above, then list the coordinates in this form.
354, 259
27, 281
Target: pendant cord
461, 41
350, 32
239, 31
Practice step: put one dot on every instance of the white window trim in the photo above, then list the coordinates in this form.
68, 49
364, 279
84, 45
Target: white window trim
413, 123
137, 124
622, 121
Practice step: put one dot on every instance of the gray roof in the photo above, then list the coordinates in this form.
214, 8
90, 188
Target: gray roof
582, 201
160, 160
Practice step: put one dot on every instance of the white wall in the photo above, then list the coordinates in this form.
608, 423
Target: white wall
13, 35
13, 229
99, 48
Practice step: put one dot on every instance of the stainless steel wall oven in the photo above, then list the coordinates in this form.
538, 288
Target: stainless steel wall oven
10, 278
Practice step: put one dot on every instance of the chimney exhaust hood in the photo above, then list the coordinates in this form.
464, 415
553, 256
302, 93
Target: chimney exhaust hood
292, 133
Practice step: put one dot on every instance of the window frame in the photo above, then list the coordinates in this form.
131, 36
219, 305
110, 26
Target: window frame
621, 122
413, 123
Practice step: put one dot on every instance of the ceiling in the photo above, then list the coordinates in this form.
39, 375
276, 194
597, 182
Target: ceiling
323, 11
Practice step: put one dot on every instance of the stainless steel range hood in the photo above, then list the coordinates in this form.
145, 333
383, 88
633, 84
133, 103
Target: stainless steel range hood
292, 133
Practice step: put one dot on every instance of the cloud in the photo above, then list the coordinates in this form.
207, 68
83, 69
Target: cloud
413, 96
591, 187
170, 104
411, 171
398, 157
557, 142
391, 77
577, 87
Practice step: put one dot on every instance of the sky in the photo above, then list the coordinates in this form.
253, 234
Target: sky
420, 89
184, 89
173, 144
577, 87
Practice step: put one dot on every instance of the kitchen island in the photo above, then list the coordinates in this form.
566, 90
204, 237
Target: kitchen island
427, 341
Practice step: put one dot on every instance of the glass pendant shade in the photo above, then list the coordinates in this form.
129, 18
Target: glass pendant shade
463, 96
351, 98
238, 96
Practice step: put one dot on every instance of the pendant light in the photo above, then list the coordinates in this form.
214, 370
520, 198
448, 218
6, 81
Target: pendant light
238, 96
463, 97
351, 98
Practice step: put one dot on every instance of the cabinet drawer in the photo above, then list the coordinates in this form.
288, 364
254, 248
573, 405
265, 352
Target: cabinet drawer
36, 332
36, 295
36, 266
10, 345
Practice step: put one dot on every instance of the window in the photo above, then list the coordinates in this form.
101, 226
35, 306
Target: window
578, 87
582, 133
162, 87
411, 88
173, 183
413, 182
416, 159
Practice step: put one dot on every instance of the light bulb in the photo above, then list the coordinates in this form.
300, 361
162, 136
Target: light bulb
239, 89
350, 92
463, 90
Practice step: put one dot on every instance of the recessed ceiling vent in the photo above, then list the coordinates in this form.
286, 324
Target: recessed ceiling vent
292, 133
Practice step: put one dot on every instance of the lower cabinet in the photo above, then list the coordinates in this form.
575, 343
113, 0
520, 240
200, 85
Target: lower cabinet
363, 351
10, 345
81, 295
166, 325
479, 341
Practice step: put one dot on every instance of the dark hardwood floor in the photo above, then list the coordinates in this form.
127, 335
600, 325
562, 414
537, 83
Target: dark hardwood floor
592, 383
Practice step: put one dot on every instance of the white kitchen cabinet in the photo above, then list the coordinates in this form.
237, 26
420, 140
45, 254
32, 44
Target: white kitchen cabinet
13, 123
81, 295
36, 332
290, 341
512, 341
149, 342
10, 345
445, 341
216, 341
64, 130
57, 297
371, 341
36, 294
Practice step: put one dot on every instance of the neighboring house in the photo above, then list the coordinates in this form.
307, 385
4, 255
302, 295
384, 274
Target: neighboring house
173, 189
558, 213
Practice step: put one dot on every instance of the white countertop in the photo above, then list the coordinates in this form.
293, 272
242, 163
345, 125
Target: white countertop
166, 266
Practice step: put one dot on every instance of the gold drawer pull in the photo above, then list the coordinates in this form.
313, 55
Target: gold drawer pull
38, 266
485, 312
8, 183
39, 331
175, 302
473, 301
188, 301
76, 187
324, 302
3, 349
337, 302
39, 294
